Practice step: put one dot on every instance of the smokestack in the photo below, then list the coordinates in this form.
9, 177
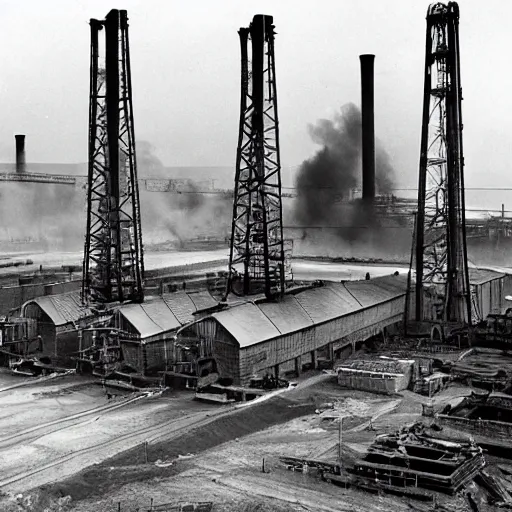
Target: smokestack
20, 153
368, 126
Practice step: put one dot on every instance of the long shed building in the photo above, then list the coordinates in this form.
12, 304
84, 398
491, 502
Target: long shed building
152, 325
259, 337
253, 337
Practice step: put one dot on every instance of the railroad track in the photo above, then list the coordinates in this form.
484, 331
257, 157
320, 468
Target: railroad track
62, 466
49, 379
38, 431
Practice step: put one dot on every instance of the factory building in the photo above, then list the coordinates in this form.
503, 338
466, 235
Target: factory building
58, 320
259, 337
143, 333
251, 338
488, 291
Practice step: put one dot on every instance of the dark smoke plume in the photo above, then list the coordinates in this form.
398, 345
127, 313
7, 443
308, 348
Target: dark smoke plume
329, 176
335, 170
325, 183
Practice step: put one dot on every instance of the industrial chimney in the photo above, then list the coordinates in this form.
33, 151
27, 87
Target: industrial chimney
20, 153
368, 127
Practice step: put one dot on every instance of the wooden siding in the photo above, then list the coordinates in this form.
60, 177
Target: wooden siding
359, 325
156, 355
214, 341
490, 298
133, 355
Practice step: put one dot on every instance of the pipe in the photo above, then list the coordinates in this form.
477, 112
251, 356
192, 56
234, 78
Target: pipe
20, 153
368, 126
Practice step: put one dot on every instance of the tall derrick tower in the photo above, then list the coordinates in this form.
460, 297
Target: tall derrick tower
113, 255
259, 261
442, 289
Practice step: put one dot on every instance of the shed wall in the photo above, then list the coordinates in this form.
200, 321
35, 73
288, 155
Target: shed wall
222, 346
155, 355
133, 355
66, 345
507, 290
256, 358
490, 297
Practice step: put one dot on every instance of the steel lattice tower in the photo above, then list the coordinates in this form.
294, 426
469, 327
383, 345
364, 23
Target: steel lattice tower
440, 254
257, 243
113, 256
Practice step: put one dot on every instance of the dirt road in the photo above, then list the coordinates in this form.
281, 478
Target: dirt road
50, 430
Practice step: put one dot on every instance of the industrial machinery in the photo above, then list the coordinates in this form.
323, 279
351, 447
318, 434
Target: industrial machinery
440, 289
113, 257
257, 230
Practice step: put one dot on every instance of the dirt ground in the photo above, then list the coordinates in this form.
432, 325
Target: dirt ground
218, 454
53, 428
221, 459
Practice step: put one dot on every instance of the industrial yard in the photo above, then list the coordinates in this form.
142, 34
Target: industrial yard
230, 457
258, 337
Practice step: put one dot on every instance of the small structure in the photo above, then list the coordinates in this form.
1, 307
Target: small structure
18, 337
58, 321
381, 375
485, 368
141, 336
483, 415
429, 385
411, 458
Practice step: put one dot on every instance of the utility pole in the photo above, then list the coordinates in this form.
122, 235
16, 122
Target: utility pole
340, 438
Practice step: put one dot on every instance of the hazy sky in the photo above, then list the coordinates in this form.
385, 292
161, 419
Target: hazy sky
186, 65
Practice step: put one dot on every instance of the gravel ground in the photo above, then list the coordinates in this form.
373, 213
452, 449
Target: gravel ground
220, 459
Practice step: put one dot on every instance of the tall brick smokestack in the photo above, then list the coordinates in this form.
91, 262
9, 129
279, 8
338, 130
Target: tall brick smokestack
20, 153
368, 127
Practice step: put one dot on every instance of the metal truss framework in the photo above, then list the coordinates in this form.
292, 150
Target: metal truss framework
440, 251
113, 256
257, 231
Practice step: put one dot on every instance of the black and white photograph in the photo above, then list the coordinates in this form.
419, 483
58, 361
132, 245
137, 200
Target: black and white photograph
255, 256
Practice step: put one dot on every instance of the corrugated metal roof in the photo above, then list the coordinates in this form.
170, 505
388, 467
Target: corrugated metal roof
327, 302
161, 315
369, 293
480, 276
63, 308
202, 300
140, 320
287, 315
181, 305
247, 323
252, 323
166, 313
